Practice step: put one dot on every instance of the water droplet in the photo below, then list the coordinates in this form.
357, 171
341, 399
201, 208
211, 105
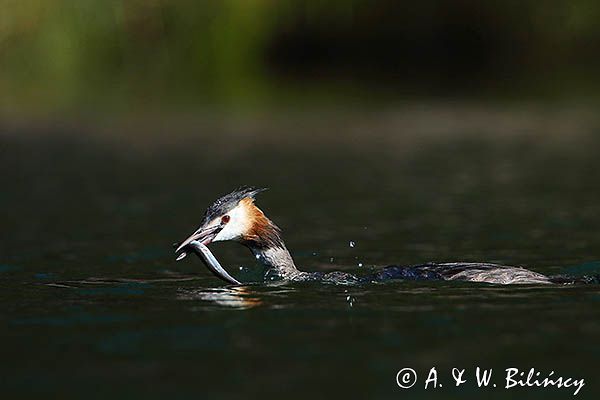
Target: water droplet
314, 254
360, 264
350, 300
241, 268
331, 260
257, 256
352, 243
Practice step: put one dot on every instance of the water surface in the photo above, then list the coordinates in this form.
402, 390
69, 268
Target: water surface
95, 305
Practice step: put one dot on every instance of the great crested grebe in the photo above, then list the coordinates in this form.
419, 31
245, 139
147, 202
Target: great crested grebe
235, 217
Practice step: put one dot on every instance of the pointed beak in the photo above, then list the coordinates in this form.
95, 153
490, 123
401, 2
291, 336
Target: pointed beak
202, 235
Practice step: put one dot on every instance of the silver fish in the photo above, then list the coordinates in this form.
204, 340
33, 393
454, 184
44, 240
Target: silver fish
210, 261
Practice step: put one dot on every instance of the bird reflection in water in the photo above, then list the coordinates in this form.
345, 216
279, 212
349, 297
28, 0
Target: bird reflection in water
240, 297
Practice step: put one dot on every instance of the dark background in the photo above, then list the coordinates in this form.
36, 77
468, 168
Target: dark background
129, 55
421, 131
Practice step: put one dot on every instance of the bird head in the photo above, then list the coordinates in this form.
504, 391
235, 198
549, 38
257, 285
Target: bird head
235, 217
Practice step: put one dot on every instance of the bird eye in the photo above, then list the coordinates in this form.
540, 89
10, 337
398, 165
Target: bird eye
225, 219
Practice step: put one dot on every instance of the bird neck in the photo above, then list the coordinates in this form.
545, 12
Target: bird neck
278, 258
265, 241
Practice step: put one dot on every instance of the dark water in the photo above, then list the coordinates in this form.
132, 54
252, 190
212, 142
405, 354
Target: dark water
94, 304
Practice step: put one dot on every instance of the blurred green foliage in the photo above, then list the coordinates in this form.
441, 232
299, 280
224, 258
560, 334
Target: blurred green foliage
66, 54
77, 51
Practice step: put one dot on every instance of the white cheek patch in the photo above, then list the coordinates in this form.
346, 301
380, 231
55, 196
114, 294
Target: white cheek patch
236, 227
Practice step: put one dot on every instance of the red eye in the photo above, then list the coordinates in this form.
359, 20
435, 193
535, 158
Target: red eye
225, 219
